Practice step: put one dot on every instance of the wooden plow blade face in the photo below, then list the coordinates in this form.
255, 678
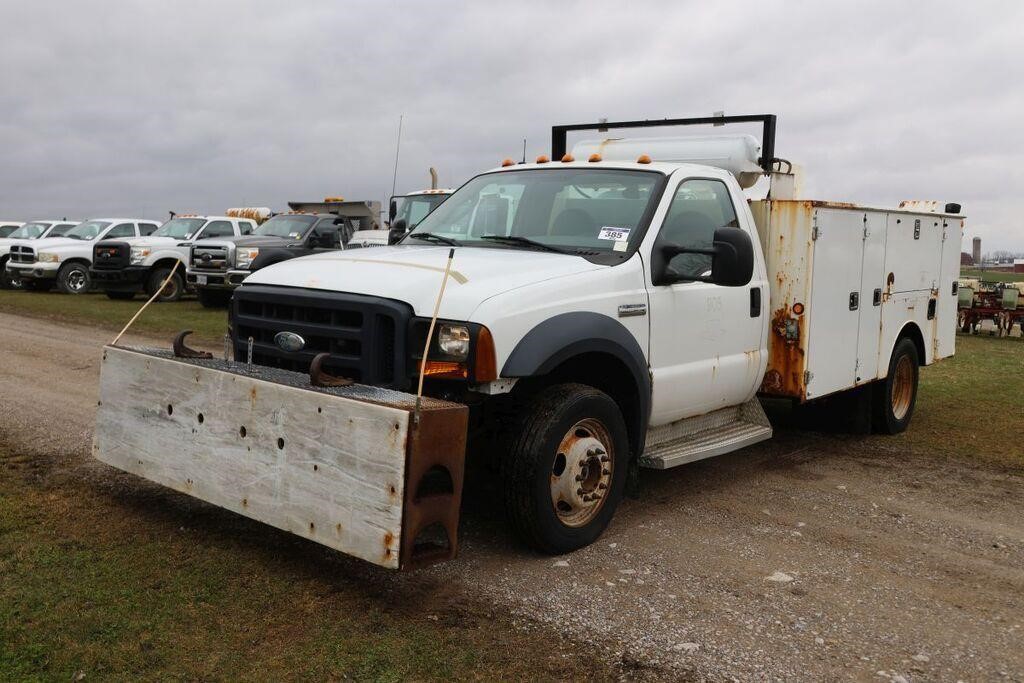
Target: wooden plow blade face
348, 467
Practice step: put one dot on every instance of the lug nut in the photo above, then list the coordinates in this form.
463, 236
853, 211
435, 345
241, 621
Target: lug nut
579, 492
598, 451
604, 458
579, 477
602, 486
606, 471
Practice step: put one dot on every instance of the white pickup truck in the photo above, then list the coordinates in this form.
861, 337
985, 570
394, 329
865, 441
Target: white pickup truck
33, 230
123, 268
620, 306
64, 261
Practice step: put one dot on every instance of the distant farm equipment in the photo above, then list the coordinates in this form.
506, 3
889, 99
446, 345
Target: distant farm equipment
1000, 302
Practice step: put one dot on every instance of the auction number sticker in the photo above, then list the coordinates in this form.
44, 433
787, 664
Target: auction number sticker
613, 234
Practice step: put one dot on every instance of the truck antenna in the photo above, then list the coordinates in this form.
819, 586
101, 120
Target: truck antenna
524, 150
430, 335
398, 146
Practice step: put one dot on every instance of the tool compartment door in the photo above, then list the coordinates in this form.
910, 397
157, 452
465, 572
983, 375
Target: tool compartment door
835, 301
871, 295
946, 315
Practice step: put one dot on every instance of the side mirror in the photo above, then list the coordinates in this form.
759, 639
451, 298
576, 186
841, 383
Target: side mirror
732, 260
392, 210
397, 231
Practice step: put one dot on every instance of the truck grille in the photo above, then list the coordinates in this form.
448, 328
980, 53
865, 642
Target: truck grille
110, 255
21, 254
212, 258
365, 335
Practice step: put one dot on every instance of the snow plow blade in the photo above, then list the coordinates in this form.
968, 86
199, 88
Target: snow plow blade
348, 467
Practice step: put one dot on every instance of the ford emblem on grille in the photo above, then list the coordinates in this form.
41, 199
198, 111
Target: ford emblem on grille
206, 257
289, 341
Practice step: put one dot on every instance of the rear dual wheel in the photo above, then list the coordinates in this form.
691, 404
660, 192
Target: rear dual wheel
895, 396
565, 471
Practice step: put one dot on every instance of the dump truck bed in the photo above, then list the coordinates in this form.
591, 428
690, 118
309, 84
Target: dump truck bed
348, 467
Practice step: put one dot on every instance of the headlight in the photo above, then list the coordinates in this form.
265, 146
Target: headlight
139, 254
453, 340
46, 257
245, 257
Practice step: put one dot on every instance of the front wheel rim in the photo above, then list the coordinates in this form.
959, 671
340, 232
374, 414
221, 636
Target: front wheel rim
170, 290
76, 280
902, 387
581, 473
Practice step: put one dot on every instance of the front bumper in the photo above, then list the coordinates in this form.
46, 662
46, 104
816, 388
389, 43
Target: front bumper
216, 279
348, 467
129, 278
33, 271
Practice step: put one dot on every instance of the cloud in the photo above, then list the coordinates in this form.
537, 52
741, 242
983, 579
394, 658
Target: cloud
137, 108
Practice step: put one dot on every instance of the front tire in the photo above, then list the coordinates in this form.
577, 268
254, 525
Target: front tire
895, 396
73, 278
6, 280
172, 291
565, 471
213, 298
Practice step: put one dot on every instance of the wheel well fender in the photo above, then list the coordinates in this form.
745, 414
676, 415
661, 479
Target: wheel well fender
269, 258
76, 260
168, 262
592, 349
912, 332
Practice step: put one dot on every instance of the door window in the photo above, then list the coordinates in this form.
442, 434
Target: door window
146, 229
246, 227
121, 230
699, 207
218, 229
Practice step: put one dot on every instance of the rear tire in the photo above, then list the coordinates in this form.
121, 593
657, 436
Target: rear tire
120, 296
213, 298
174, 288
565, 471
895, 396
73, 278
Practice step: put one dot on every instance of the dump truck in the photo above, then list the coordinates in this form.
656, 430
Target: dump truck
568, 321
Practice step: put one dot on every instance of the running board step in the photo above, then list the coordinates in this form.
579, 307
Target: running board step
704, 436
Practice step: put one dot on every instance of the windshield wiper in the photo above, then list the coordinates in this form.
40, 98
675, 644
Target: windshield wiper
431, 237
518, 239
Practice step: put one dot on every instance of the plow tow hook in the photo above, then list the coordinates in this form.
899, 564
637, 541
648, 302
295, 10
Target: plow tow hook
318, 377
182, 351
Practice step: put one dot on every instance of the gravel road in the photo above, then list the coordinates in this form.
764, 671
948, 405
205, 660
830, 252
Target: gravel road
812, 556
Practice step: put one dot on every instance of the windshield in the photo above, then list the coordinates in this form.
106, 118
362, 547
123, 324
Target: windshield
286, 225
578, 210
30, 231
88, 230
414, 208
180, 228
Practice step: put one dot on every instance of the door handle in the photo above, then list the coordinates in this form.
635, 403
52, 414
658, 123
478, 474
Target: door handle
755, 302
854, 301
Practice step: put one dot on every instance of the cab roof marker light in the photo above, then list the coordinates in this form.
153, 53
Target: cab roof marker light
643, 159
507, 162
594, 158
567, 158
542, 159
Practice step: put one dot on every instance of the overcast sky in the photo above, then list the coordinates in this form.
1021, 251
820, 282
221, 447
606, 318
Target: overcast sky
137, 108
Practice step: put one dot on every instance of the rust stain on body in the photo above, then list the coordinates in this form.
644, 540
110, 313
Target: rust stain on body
785, 373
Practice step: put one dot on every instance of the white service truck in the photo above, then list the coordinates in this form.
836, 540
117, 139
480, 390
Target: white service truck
623, 305
33, 230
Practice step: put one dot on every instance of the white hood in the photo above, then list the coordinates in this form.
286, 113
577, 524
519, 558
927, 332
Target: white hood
413, 274
151, 241
52, 243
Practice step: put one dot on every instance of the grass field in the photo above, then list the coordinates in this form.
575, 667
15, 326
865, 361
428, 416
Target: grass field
159, 320
972, 404
991, 275
132, 585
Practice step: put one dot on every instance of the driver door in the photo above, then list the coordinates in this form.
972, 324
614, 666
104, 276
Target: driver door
706, 339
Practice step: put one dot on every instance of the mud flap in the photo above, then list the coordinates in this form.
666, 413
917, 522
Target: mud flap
348, 467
